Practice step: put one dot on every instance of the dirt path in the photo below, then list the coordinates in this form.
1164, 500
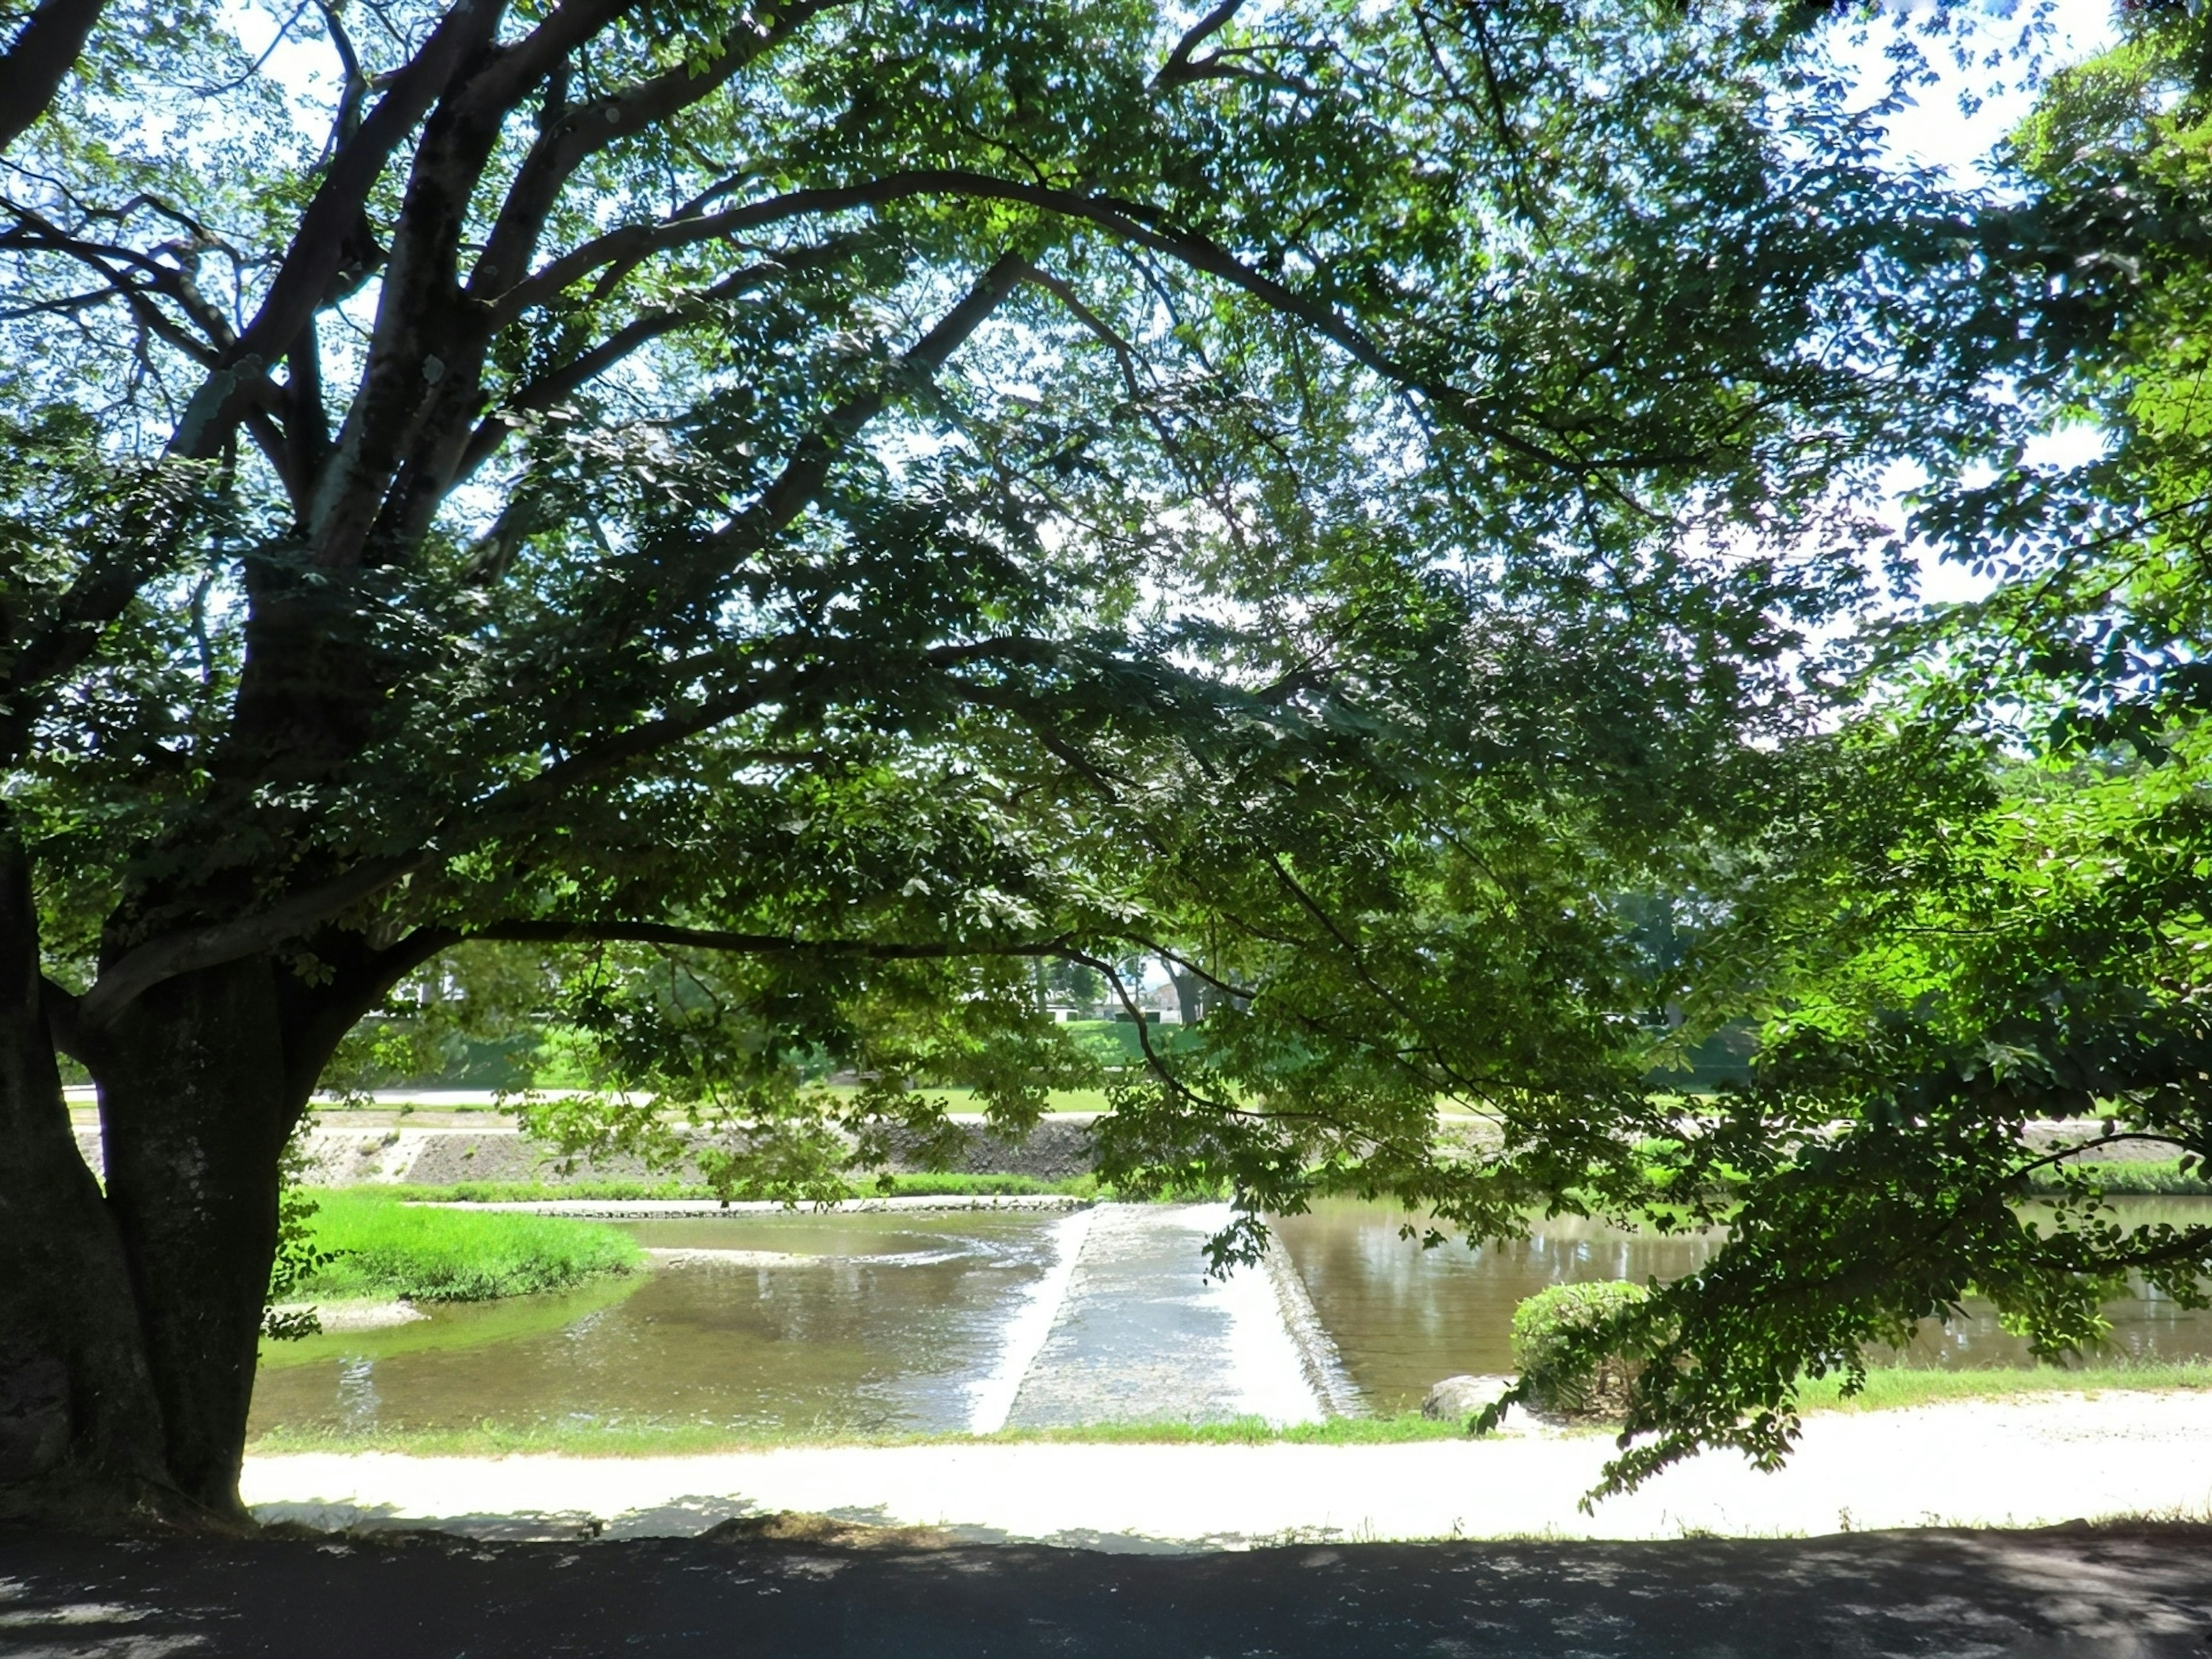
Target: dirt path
2133, 1593
2033, 1462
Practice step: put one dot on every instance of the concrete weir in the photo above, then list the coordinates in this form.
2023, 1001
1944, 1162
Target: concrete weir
1138, 1333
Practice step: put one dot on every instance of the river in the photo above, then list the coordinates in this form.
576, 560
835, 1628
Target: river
921, 1322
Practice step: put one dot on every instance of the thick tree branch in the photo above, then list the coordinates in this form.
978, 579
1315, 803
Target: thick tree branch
1133, 222
148, 964
579, 132
38, 59
60, 1007
1179, 68
802, 478
319, 246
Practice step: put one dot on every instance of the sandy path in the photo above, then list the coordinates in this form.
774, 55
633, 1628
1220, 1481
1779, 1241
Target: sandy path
2030, 1463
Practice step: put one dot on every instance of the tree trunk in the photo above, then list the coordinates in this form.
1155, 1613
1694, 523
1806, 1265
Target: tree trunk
1190, 995
195, 1109
82, 1432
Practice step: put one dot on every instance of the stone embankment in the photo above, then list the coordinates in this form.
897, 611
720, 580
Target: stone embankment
1058, 1149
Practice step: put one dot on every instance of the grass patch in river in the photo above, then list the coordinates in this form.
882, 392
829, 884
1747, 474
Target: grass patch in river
381, 1248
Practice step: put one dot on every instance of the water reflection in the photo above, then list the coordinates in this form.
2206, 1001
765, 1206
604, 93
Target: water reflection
860, 1323
1403, 1317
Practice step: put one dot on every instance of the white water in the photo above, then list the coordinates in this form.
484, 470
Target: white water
1265, 1370
992, 1395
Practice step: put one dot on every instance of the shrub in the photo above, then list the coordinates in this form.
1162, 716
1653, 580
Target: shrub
1545, 1326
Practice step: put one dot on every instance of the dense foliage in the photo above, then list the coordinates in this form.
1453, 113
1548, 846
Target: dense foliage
1568, 1367
832, 509
1976, 934
771, 538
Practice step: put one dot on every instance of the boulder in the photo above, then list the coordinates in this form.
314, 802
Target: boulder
1458, 1397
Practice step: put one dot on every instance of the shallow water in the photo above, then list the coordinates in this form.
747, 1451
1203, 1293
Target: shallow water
1402, 1318
887, 1323
867, 1323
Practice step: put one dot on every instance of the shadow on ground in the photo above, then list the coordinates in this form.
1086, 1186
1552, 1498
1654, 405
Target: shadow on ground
836, 1593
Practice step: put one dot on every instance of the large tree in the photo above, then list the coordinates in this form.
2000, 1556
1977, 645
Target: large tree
800, 512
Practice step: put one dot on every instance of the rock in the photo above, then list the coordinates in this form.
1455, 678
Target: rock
1457, 1398
353, 1315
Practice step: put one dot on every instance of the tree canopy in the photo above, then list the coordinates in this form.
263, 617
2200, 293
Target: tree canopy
779, 520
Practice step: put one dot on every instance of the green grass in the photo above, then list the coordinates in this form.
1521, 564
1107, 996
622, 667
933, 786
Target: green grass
652, 1438
2163, 1175
1892, 1387
381, 1248
1887, 1390
989, 1186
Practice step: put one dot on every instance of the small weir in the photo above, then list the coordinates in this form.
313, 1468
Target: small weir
1142, 1335
1031, 1327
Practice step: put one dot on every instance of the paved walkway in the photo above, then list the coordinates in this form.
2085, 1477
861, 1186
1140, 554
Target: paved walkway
2030, 1463
2127, 1595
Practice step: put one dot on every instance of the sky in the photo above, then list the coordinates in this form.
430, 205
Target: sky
1937, 131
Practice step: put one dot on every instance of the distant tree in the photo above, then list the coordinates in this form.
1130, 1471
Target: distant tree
789, 515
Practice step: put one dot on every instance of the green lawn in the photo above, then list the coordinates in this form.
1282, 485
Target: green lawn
651, 1437
1892, 1387
382, 1248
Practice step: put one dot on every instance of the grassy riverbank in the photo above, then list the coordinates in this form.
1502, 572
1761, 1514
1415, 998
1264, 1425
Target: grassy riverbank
380, 1248
1887, 1390
648, 1438
1890, 1388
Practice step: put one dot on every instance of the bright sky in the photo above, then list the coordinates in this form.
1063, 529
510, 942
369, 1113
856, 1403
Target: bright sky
1937, 131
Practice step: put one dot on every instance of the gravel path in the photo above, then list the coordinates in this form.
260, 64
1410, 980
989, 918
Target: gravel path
2038, 1462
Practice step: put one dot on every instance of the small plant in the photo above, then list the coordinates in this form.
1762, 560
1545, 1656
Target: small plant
299, 1260
1552, 1334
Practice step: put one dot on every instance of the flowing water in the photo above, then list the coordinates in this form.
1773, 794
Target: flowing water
919, 1322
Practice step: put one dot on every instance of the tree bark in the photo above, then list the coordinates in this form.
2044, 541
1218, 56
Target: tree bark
82, 1433
39, 59
195, 1109
1190, 994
